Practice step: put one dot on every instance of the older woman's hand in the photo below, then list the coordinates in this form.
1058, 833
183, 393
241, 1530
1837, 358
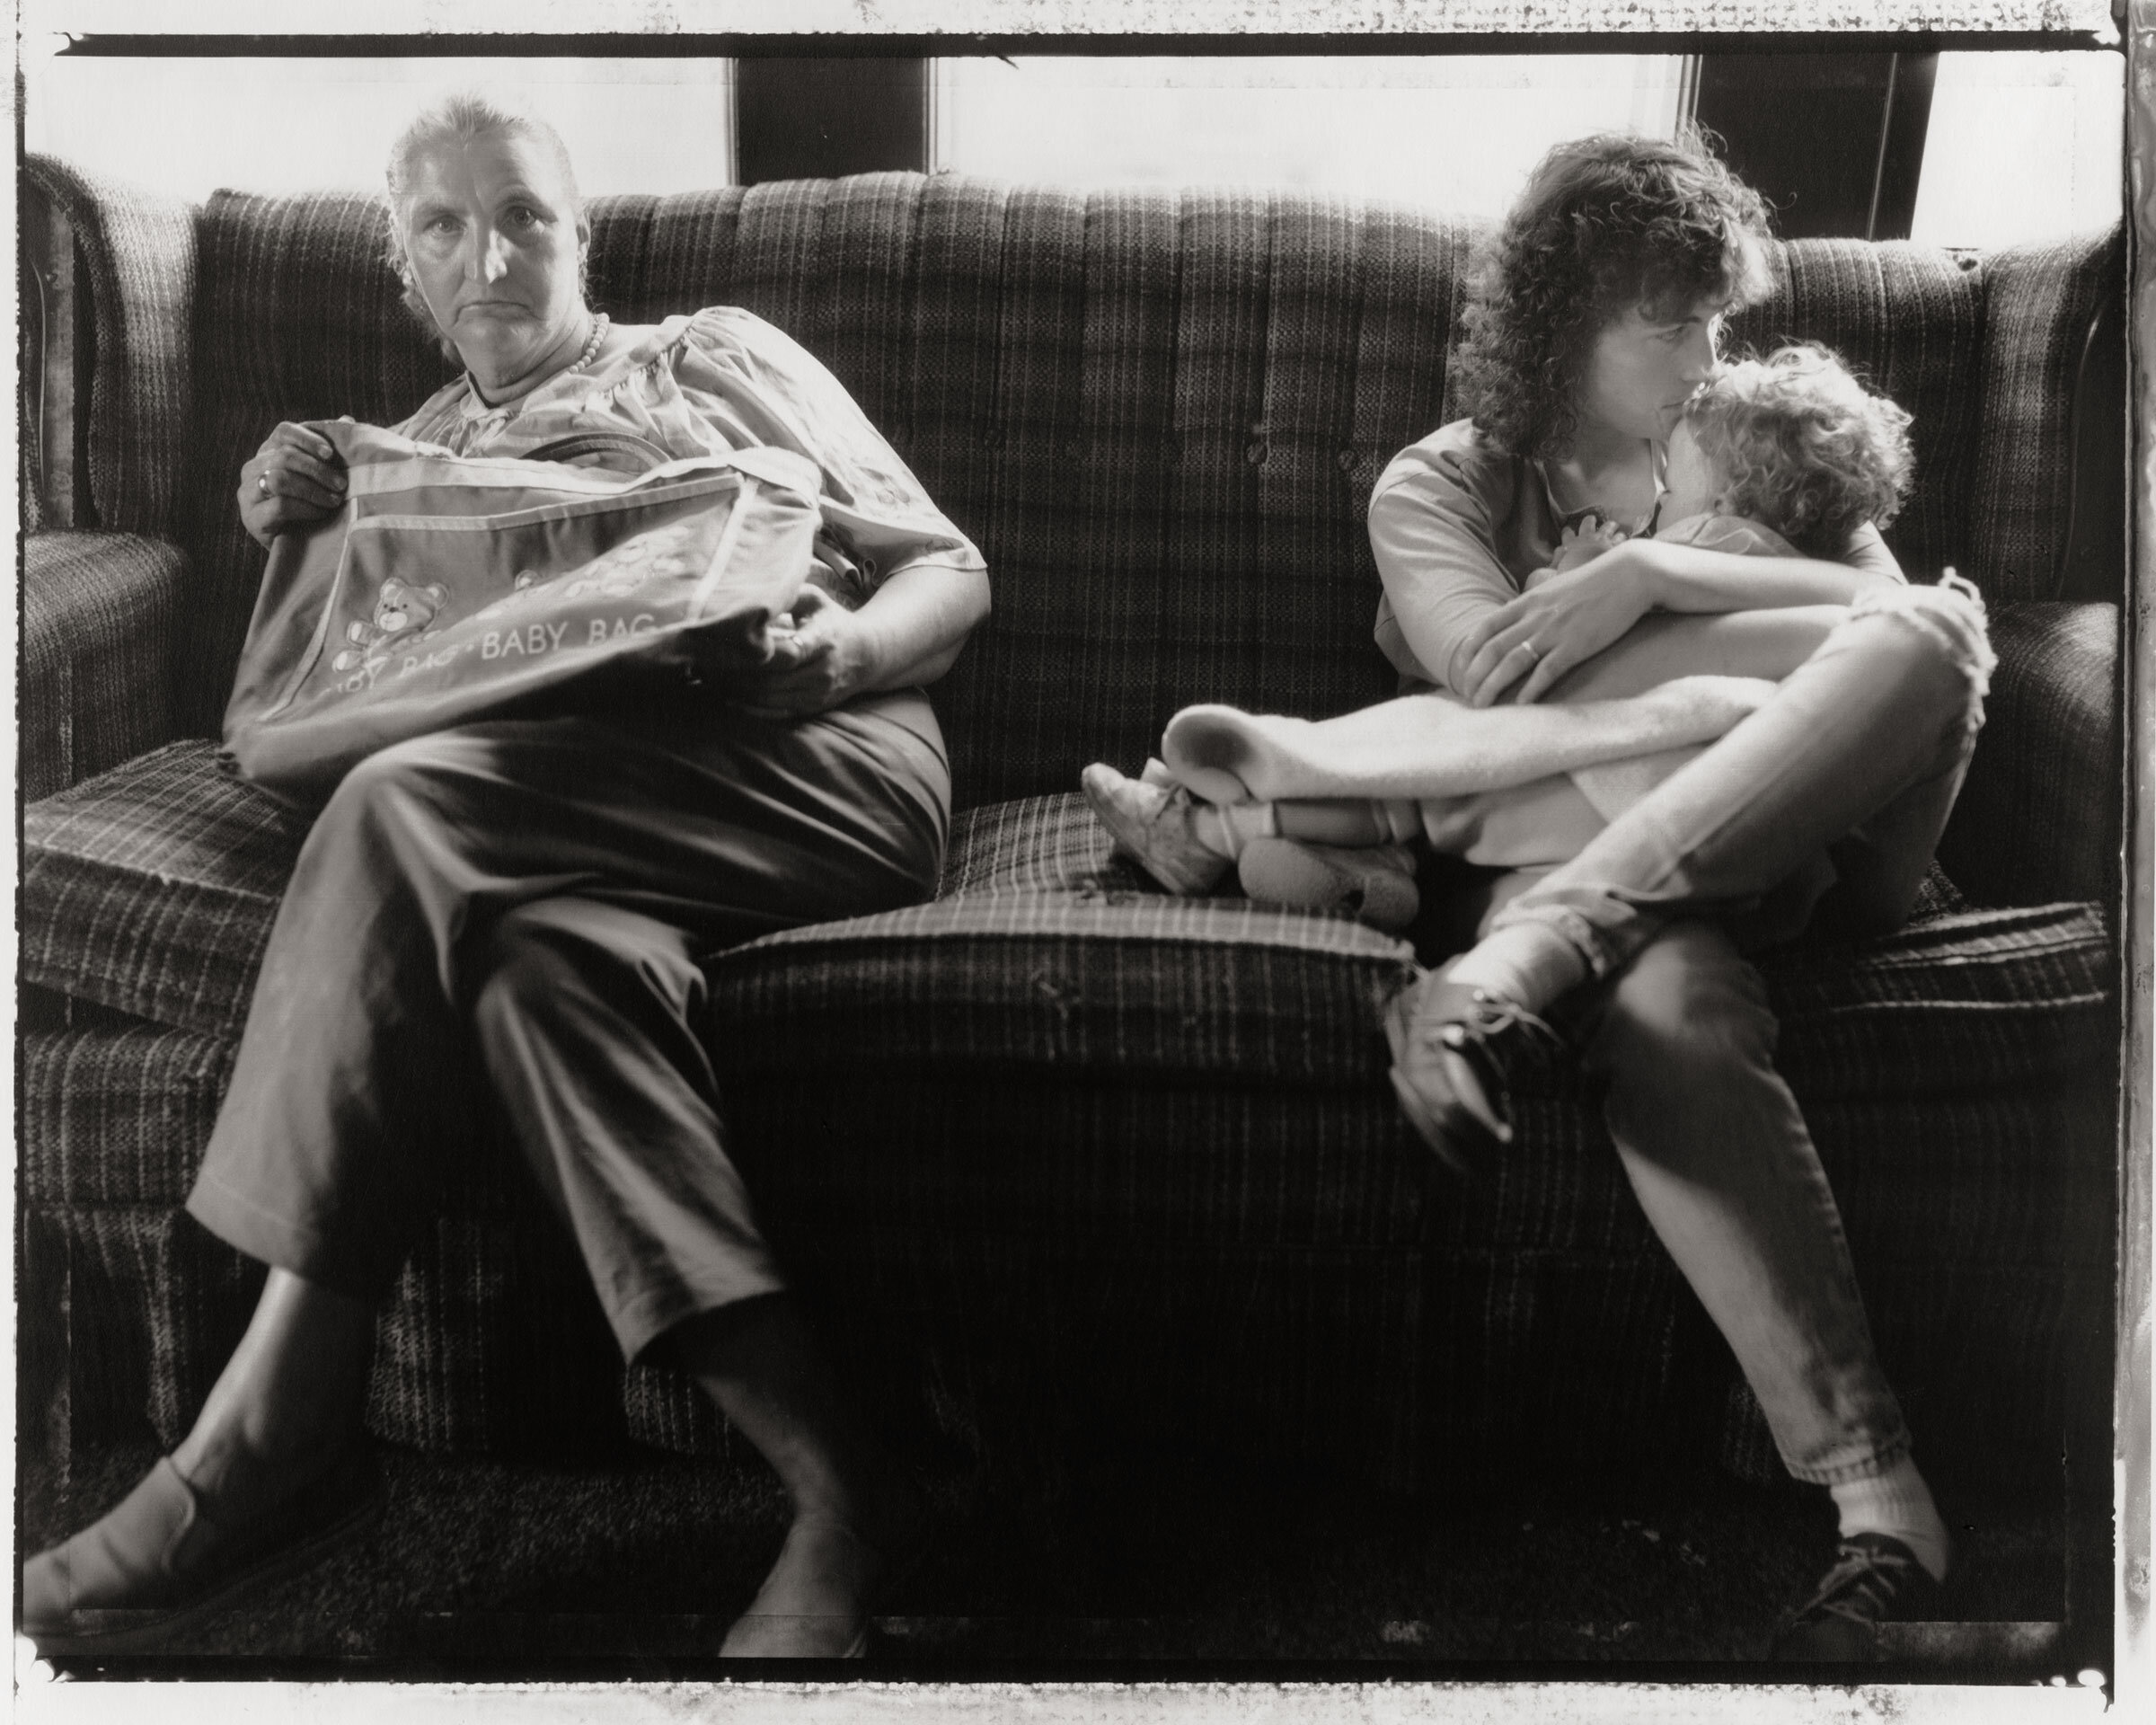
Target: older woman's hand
296, 479
1561, 621
822, 656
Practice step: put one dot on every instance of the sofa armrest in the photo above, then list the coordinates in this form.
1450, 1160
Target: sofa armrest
2038, 819
136, 252
101, 612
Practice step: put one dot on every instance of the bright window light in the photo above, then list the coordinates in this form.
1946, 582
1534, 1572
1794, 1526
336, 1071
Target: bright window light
187, 127
2021, 147
1452, 132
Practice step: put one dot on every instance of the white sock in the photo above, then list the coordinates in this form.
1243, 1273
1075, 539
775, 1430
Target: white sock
1896, 1502
1225, 829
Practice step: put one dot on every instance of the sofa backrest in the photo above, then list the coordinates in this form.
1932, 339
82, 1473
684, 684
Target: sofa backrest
1159, 413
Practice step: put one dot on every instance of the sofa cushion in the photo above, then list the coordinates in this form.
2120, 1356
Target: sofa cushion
1042, 950
151, 889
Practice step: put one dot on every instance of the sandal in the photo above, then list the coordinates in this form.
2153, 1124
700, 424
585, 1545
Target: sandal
1453, 1045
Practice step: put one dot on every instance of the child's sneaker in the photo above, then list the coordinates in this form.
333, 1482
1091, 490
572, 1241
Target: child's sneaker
1375, 884
1155, 825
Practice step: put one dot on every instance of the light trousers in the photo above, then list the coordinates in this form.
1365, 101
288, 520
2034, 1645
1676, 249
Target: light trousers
517, 909
1830, 800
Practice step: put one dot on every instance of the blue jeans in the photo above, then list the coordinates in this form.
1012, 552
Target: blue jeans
1830, 798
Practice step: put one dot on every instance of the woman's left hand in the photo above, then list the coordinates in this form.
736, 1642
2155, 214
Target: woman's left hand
822, 656
1561, 621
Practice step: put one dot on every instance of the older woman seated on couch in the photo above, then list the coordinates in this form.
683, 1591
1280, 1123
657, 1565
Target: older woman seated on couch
521, 905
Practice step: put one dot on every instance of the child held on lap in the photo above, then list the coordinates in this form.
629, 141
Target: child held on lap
1780, 457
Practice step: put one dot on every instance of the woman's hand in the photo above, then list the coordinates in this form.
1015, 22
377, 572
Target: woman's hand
1563, 619
296, 479
822, 656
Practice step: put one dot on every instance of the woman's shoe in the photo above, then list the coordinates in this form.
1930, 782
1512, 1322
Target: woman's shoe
824, 1560
1375, 884
1453, 1045
159, 1562
1155, 825
1875, 1580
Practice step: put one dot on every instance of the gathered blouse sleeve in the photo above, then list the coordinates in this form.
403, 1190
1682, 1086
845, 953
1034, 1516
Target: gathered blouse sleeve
756, 385
1441, 516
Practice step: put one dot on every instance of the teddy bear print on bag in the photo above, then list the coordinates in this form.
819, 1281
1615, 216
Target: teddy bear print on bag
402, 613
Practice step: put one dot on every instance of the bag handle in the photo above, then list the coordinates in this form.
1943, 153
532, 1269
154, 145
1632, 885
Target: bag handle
592, 443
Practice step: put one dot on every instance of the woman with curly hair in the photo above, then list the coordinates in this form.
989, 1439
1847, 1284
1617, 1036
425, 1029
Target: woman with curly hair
1591, 325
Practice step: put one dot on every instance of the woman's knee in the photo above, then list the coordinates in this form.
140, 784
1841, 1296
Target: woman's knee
1936, 642
550, 957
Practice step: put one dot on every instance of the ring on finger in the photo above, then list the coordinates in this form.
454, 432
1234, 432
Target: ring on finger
261, 482
1531, 650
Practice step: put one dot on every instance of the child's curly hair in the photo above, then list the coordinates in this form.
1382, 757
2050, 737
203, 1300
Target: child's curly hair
1606, 222
1804, 447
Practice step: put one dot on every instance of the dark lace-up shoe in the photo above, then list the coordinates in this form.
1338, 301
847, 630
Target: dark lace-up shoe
1454, 1049
1875, 1580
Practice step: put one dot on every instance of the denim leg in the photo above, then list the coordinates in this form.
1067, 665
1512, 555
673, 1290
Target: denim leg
1717, 1151
1858, 757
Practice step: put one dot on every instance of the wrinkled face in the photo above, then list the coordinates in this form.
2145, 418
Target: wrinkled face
1692, 483
1642, 370
495, 245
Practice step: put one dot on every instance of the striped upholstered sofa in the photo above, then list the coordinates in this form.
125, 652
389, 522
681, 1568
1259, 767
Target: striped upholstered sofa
1057, 1157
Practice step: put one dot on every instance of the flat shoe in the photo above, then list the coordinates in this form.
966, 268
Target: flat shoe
1875, 1580
159, 1563
774, 1628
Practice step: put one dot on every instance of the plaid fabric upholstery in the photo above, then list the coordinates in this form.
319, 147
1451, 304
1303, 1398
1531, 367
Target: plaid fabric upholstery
2039, 816
119, 1118
139, 250
2038, 302
151, 889
99, 610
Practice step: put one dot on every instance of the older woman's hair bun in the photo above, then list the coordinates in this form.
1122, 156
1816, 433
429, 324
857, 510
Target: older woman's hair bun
461, 118
1804, 447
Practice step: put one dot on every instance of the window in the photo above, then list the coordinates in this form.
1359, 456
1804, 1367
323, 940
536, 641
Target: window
186, 126
1454, 132
2022, 146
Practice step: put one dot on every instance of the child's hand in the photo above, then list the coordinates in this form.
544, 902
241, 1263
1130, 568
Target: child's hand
1584, 543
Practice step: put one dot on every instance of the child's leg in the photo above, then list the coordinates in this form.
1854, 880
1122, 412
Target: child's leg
1349, 820
1433, 745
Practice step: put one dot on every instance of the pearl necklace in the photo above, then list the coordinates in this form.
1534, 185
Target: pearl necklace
591, 348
